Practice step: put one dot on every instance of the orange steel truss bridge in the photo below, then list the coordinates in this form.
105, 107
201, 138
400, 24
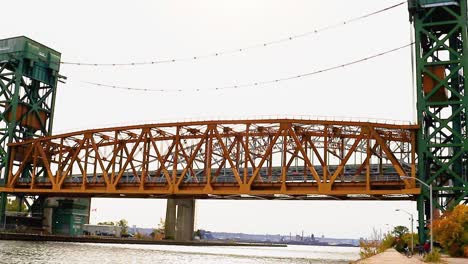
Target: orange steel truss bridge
246, 159
266, 159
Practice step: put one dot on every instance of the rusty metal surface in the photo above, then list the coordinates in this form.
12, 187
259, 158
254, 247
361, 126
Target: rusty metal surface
273, 159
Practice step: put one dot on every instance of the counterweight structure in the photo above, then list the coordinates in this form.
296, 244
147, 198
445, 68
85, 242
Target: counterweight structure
28, 82
441, 65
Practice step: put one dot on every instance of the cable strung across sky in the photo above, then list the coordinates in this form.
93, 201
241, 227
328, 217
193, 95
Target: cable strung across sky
253, 84
238, 50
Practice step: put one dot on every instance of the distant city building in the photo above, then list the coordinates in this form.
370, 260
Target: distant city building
267, 238
101, 230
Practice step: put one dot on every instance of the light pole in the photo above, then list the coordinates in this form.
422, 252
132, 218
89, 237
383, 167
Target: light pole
410, 214
430, 203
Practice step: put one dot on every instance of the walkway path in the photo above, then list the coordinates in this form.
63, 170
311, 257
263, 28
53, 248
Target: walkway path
390, 256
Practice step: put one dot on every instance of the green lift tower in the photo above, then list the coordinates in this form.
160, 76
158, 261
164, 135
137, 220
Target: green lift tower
29, 73
441, 56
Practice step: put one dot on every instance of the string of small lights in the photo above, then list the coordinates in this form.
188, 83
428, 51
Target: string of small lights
253, 84
238, 50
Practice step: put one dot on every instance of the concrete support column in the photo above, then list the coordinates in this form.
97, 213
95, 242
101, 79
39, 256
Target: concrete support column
170, 223
180, 219
185, 219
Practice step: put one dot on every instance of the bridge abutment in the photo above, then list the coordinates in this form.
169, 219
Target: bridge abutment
180, 219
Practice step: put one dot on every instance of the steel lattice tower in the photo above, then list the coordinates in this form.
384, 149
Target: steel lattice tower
28, 85
441, 68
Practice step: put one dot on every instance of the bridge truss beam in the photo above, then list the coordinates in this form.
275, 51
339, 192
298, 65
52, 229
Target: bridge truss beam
210, 159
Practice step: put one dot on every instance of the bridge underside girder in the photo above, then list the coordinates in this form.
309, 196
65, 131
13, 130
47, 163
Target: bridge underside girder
266, 159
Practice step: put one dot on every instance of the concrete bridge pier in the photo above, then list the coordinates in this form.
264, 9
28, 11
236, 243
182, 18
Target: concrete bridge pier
180, 219
170, 222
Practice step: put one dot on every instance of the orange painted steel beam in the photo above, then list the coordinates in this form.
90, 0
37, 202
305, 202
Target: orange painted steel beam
268, 158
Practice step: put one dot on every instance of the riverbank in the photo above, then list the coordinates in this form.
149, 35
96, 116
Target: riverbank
113, 240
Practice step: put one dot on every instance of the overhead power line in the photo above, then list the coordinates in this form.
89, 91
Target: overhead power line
253, 84
238, 50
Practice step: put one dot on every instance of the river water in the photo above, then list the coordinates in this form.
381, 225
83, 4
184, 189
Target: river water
59, 252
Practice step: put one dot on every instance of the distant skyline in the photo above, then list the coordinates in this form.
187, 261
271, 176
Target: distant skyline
149, 30
335, 219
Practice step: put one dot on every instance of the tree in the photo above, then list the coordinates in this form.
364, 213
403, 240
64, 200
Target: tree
372, 245
402, 237
451, 231
123, 224
399, 231
13, 204
161, 225
157, 234
387, 242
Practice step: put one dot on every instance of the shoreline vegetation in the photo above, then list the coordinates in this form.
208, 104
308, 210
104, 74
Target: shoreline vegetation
450, 234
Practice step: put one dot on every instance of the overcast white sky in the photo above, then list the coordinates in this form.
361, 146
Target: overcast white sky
126, 31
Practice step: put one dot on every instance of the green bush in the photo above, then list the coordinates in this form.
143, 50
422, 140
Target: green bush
368, 248
375, 244
433, 256
387, 242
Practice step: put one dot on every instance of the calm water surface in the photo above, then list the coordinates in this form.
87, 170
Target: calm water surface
58, 252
